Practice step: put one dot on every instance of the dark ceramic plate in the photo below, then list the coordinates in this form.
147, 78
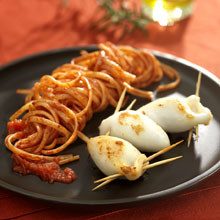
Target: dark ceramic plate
199, 161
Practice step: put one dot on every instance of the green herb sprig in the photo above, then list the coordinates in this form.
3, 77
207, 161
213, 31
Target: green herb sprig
122, 16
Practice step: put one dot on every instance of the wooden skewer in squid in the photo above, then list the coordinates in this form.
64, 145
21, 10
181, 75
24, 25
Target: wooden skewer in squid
146, 165
119, 104
176, 115
197, 127
116, 157
136, 128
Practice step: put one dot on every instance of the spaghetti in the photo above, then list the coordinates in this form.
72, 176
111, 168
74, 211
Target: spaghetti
59, 105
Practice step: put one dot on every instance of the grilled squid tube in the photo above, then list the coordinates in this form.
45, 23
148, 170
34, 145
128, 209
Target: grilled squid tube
114, 155
136, 128
177, 115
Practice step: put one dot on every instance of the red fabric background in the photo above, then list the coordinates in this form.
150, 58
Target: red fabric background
32, 26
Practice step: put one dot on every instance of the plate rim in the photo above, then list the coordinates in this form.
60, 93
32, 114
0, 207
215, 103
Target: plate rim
124, 201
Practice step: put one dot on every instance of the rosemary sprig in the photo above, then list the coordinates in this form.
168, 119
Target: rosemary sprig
122, 16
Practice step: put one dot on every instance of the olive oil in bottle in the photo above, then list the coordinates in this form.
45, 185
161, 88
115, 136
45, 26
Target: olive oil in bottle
166, 12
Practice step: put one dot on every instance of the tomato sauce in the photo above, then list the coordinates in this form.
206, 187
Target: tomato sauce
48, 170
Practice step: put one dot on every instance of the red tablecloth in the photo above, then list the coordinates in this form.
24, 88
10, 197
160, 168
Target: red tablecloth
32, 26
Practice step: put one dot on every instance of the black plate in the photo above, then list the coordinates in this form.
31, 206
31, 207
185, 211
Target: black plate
199, 161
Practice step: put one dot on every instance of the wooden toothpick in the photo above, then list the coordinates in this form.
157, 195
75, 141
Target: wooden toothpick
197, 127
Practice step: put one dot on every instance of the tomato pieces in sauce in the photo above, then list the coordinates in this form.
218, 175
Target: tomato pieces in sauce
48, 170
15, 126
